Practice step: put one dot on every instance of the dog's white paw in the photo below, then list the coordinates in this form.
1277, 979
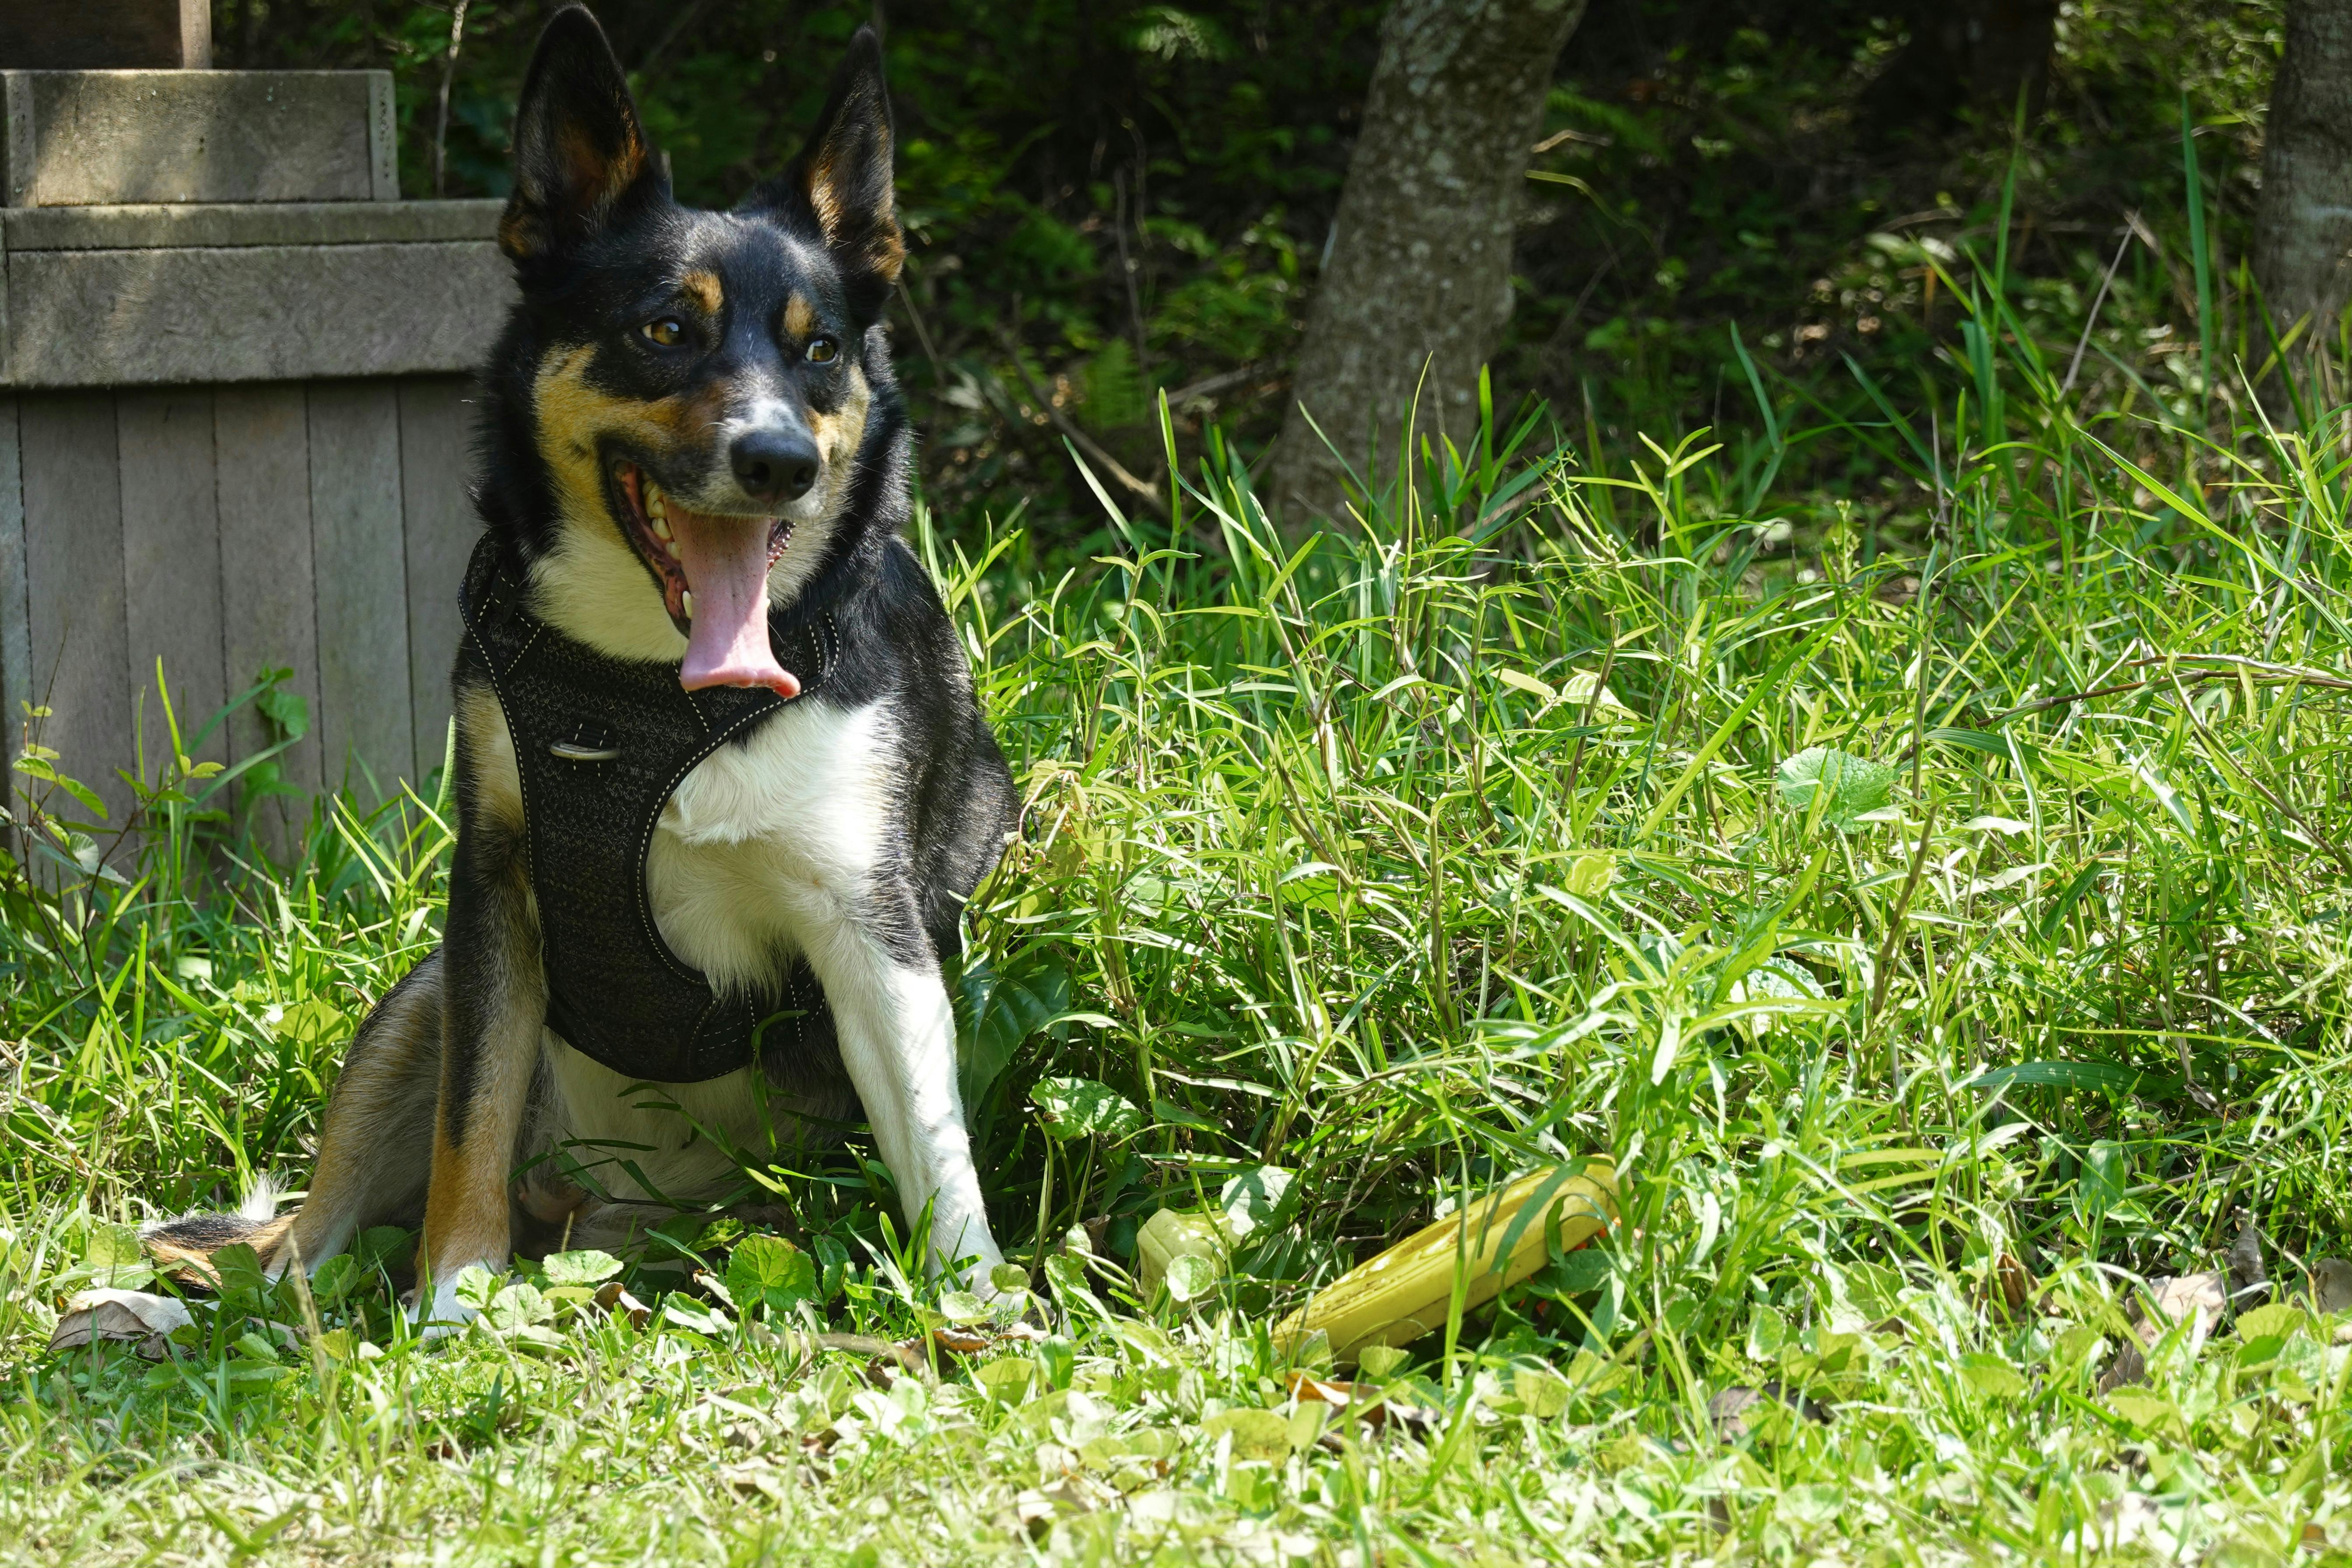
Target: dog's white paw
449, 1313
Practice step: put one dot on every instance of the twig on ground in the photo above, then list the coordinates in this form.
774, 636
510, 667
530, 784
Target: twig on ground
1147, 492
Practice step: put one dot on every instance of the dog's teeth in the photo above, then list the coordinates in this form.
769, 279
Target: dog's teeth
686, 600
672, 543
661, 529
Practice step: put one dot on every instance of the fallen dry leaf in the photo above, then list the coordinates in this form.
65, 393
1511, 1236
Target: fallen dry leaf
757, 1477
1367, 1403
1309, 1389
2012, 1285
886, 1360
1728, 1409
2331, 1285
2195, 1298
2247, 1269
138, 1317
1034, 1513
614, 1299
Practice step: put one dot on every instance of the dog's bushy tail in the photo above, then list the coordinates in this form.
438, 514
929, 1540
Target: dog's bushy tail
182, 1248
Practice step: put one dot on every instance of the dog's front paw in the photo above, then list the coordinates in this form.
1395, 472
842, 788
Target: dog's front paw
456, 1295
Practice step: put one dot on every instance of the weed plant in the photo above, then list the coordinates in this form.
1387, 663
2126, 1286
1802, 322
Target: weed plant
1940, 942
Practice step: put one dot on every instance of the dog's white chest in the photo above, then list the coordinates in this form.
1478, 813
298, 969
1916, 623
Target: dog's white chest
768, 846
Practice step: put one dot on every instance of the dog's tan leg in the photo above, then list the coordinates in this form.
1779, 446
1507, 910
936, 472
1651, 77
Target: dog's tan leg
494, 1004
374, 1147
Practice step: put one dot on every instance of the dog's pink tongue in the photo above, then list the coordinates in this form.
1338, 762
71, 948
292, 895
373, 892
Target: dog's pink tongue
726, 563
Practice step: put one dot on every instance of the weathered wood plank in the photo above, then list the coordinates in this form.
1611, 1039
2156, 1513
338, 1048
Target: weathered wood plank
15, 634
366, 721
269, 590
435, 426
171, 563
79, 665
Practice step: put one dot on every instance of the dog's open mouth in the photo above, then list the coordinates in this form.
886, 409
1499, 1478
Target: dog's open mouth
713, 572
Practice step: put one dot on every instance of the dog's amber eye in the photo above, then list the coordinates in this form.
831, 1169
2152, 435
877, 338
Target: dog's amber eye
667, 330
823, 351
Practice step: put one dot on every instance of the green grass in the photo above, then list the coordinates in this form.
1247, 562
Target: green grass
1488, 832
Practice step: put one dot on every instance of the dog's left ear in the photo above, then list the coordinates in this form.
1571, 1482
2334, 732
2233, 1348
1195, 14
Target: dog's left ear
842, 179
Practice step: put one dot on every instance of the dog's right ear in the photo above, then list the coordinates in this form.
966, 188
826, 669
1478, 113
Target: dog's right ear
578, 148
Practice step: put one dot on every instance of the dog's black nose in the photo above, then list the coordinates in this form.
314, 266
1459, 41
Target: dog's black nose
773, 465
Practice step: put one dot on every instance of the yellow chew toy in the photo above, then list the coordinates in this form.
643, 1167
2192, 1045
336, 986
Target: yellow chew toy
1403, 1293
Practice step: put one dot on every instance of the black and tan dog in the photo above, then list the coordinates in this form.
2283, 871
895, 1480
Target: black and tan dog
722, 784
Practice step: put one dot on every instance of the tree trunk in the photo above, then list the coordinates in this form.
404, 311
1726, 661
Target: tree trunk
1420, 263
2302, 225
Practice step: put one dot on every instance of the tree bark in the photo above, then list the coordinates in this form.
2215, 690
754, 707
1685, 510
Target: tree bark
1420, 265
2302, 224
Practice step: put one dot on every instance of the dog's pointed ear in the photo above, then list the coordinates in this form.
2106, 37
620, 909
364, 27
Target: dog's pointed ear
578, 148
842, 180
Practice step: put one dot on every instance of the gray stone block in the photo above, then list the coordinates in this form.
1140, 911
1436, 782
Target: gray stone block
87, 138
193, 315
281, 223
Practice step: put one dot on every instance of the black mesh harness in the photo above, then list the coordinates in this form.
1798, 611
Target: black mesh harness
601, 743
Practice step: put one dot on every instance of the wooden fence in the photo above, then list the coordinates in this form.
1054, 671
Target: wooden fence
224, 530
234, 419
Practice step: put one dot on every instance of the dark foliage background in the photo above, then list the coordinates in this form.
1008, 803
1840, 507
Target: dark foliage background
1109, 199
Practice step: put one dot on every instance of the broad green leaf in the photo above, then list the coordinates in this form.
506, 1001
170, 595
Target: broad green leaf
1589, 876
588, 1267
1008, 1381
768, 1270
2149, 1412
287, 712
1774, 979
1256, 1198
1579, 1273
1257, 1434
517, 1306
335, 1278
1191, 1276
2106, 1173
1068, 1277
1541, 1392
238, 1269
1991, 1376
312, 1021
833, 1259
1849, 785
1081, 1108
1768, 1333
112, 1246
2054, 916
963, 1306
381, 1245
2277, 1318
997, 1010
477, 1286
